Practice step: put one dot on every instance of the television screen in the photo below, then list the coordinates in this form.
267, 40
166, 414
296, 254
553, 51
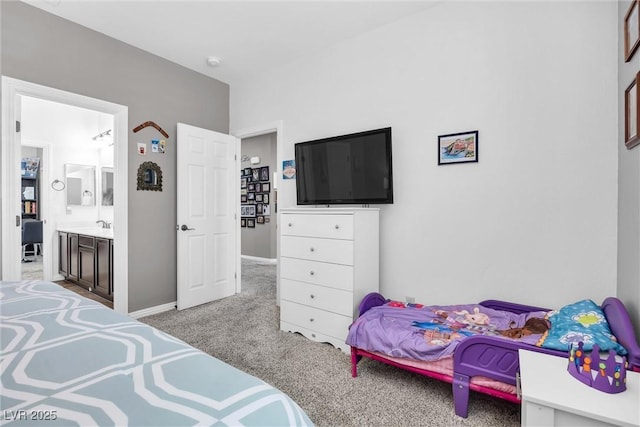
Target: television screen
348, 169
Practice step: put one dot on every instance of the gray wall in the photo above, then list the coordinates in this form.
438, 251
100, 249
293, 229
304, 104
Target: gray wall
261, 241
628, 189
42, 48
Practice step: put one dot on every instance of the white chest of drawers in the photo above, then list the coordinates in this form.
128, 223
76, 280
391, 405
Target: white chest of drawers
328, 262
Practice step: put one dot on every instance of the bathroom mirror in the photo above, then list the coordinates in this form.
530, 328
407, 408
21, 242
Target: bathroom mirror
81, 184
149, 177
107, 186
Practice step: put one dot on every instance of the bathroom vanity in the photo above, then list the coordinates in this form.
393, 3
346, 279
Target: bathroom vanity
86, 258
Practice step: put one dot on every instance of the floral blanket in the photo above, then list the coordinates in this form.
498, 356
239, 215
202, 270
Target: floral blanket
421, 332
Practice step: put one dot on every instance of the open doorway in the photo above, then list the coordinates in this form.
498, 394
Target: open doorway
14, 92
78, 143
269, 135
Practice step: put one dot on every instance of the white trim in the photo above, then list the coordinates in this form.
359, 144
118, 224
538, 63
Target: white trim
11, 90
261, 260
153, 310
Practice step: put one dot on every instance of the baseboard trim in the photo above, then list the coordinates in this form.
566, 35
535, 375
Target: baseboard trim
262, 260
153, 310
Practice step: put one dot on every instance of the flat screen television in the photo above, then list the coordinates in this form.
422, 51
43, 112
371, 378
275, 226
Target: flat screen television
347, 169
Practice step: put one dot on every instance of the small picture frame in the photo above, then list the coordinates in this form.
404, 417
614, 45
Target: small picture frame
251, 187
259, 208
260, 219
258, 187
264, 173
267, 219
265, 198
247, 171
459, 147
266, 187
251, 223
243, 182
266, 209
243, 198
247, 211
631, 30
251, 197
632, 113
258, 198
243, 222
255, 174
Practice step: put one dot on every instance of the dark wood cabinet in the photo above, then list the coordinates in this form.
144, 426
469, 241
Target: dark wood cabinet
72, 272
63, 254
103, 267
87, 261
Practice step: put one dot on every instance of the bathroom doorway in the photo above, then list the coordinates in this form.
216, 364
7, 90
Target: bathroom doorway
13, 93
70, 136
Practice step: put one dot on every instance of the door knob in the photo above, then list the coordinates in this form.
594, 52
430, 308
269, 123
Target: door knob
185, 228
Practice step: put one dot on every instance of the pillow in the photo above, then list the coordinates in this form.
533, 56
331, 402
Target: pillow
581, 321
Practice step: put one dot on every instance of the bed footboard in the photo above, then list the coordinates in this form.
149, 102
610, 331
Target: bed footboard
491, 357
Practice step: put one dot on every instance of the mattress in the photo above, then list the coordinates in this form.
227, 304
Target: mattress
67, 360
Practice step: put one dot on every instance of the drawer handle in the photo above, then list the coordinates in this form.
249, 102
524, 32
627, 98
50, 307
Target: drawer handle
312, 296
312, 273
312, 249
290, 225
311, 320
337, 227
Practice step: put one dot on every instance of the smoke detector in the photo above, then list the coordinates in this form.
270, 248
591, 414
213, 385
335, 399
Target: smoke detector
213, 61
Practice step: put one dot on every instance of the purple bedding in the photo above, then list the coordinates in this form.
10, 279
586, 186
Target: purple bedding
428, 333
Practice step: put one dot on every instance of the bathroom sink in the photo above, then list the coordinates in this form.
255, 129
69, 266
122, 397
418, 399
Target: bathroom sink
106, 233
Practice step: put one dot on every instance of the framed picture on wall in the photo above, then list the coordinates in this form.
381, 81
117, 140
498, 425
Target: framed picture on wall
258, 198
458, 148
266, 187
247, 171
264, 173
265, 198
631, 113
631, 30
243, 222
247, 211
243, 198
255, 174
251, 223
251, 187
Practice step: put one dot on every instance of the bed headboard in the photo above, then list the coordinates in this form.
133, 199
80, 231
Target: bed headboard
621, 326
370, 300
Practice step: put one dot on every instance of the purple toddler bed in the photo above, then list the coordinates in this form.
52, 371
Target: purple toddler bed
482, 349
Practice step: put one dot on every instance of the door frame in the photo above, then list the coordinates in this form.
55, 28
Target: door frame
264, 129
10, 176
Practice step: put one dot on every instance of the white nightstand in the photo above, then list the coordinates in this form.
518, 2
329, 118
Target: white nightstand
552, 397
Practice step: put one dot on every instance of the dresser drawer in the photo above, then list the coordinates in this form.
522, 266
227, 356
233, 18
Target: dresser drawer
335, 325
333, 300
316, 225
326, 250
320, 273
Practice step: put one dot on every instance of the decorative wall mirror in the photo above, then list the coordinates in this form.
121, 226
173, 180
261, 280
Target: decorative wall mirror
107, 186
80, 184
149, 177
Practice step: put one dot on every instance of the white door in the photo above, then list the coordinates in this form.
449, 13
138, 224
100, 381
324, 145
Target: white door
208, 183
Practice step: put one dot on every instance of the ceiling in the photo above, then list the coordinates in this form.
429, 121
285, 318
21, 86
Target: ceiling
248, 36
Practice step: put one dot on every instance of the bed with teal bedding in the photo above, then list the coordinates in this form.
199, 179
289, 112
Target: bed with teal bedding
67, 360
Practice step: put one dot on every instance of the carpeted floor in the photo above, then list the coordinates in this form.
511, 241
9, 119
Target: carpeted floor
243, 330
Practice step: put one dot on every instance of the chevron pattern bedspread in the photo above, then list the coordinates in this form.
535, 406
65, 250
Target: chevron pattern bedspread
67, 360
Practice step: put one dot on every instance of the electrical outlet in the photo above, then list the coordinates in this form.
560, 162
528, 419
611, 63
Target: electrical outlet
410, 300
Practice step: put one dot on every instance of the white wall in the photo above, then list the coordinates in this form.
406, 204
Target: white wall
67, 131
535, 220
628, 190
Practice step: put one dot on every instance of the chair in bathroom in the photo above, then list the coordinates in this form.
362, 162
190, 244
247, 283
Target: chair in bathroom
31, 236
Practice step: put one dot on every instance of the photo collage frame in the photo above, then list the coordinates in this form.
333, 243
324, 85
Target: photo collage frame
255, 196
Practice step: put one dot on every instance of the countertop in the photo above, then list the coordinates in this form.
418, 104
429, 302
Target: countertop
106, 233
